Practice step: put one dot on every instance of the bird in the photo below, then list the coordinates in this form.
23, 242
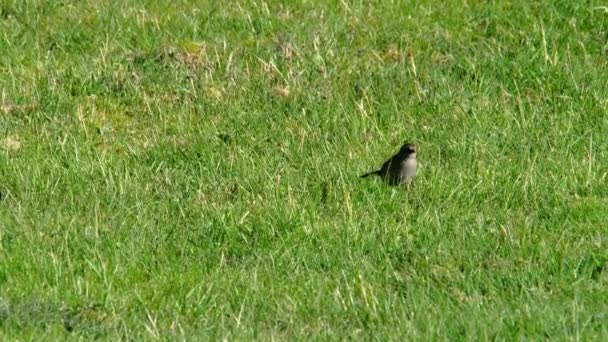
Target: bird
400, 168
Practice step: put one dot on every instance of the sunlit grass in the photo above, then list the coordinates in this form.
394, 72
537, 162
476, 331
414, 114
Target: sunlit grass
191, 170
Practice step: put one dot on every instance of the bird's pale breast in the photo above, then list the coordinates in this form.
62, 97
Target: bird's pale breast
408, 169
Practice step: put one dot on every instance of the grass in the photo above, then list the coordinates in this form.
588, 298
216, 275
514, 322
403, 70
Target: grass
189, 170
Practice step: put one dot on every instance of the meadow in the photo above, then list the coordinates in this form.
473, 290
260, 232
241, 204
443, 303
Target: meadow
189, 170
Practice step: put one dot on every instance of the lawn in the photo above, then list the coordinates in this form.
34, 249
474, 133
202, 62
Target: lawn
190, 170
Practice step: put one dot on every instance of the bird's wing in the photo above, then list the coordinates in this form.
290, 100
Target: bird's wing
389, 164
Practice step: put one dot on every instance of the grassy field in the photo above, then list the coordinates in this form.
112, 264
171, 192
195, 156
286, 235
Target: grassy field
189, 170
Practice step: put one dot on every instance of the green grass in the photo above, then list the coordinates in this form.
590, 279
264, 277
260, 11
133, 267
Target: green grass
189, 169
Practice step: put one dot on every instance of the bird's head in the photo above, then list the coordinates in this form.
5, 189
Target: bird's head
408, 150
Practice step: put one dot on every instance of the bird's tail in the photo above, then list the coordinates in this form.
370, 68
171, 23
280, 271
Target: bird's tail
370, 173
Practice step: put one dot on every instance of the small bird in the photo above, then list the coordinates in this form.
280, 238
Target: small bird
400, 168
